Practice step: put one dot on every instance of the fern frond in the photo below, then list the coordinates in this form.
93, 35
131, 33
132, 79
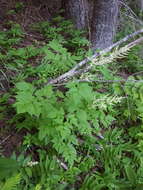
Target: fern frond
11, 183
117, 54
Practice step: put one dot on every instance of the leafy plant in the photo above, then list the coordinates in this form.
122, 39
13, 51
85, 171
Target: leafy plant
60, 120
7, 167
79, 135
56, 60
12, 183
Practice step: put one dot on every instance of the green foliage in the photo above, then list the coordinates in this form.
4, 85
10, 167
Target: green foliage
7, 167
52, 64
58, 121
45, 172
11, 36
12, 183
42, 60
38, 187
69, 123
76, 136
133, 62
64, 32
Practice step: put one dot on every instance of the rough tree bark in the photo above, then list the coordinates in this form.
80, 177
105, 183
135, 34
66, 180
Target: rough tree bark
140, 4
99, 16
104, 22
77, 11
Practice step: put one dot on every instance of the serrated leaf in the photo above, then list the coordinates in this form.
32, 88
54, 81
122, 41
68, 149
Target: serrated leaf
84, 127
46, 91
85, 91
24, 86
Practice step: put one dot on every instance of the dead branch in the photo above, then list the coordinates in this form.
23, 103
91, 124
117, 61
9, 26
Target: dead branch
130, 45
71, 73
100, 81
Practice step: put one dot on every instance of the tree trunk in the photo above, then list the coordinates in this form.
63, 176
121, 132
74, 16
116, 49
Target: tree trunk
104, 22
140, 5
77, 11
98, 16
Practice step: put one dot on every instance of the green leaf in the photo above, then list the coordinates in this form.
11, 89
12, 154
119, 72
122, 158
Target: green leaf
24, 86
7, 166
131, 174
46, 92
28, 171
11, 183
84, 127
85, 91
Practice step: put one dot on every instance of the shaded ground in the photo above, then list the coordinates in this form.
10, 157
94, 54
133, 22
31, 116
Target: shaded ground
9, 142
25, 13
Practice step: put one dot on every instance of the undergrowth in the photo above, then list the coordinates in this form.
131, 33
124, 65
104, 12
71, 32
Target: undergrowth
86, 136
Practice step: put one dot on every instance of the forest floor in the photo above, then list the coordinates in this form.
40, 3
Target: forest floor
83, 135
13, 11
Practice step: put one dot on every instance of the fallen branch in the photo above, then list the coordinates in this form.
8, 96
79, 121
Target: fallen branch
74, 71
131, 12
128, 46
109, 81
100, 81
4, 140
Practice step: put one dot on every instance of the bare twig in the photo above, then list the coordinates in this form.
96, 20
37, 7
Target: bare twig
130, 45
3, 141
74, 71
137, 73
108, 81
134, 19
128, 8
100, 81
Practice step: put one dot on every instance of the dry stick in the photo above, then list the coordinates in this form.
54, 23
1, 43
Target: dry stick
100, 81
73, 71
128, 8
132, 15
134, 19
130, 45
3, 141
109, 81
